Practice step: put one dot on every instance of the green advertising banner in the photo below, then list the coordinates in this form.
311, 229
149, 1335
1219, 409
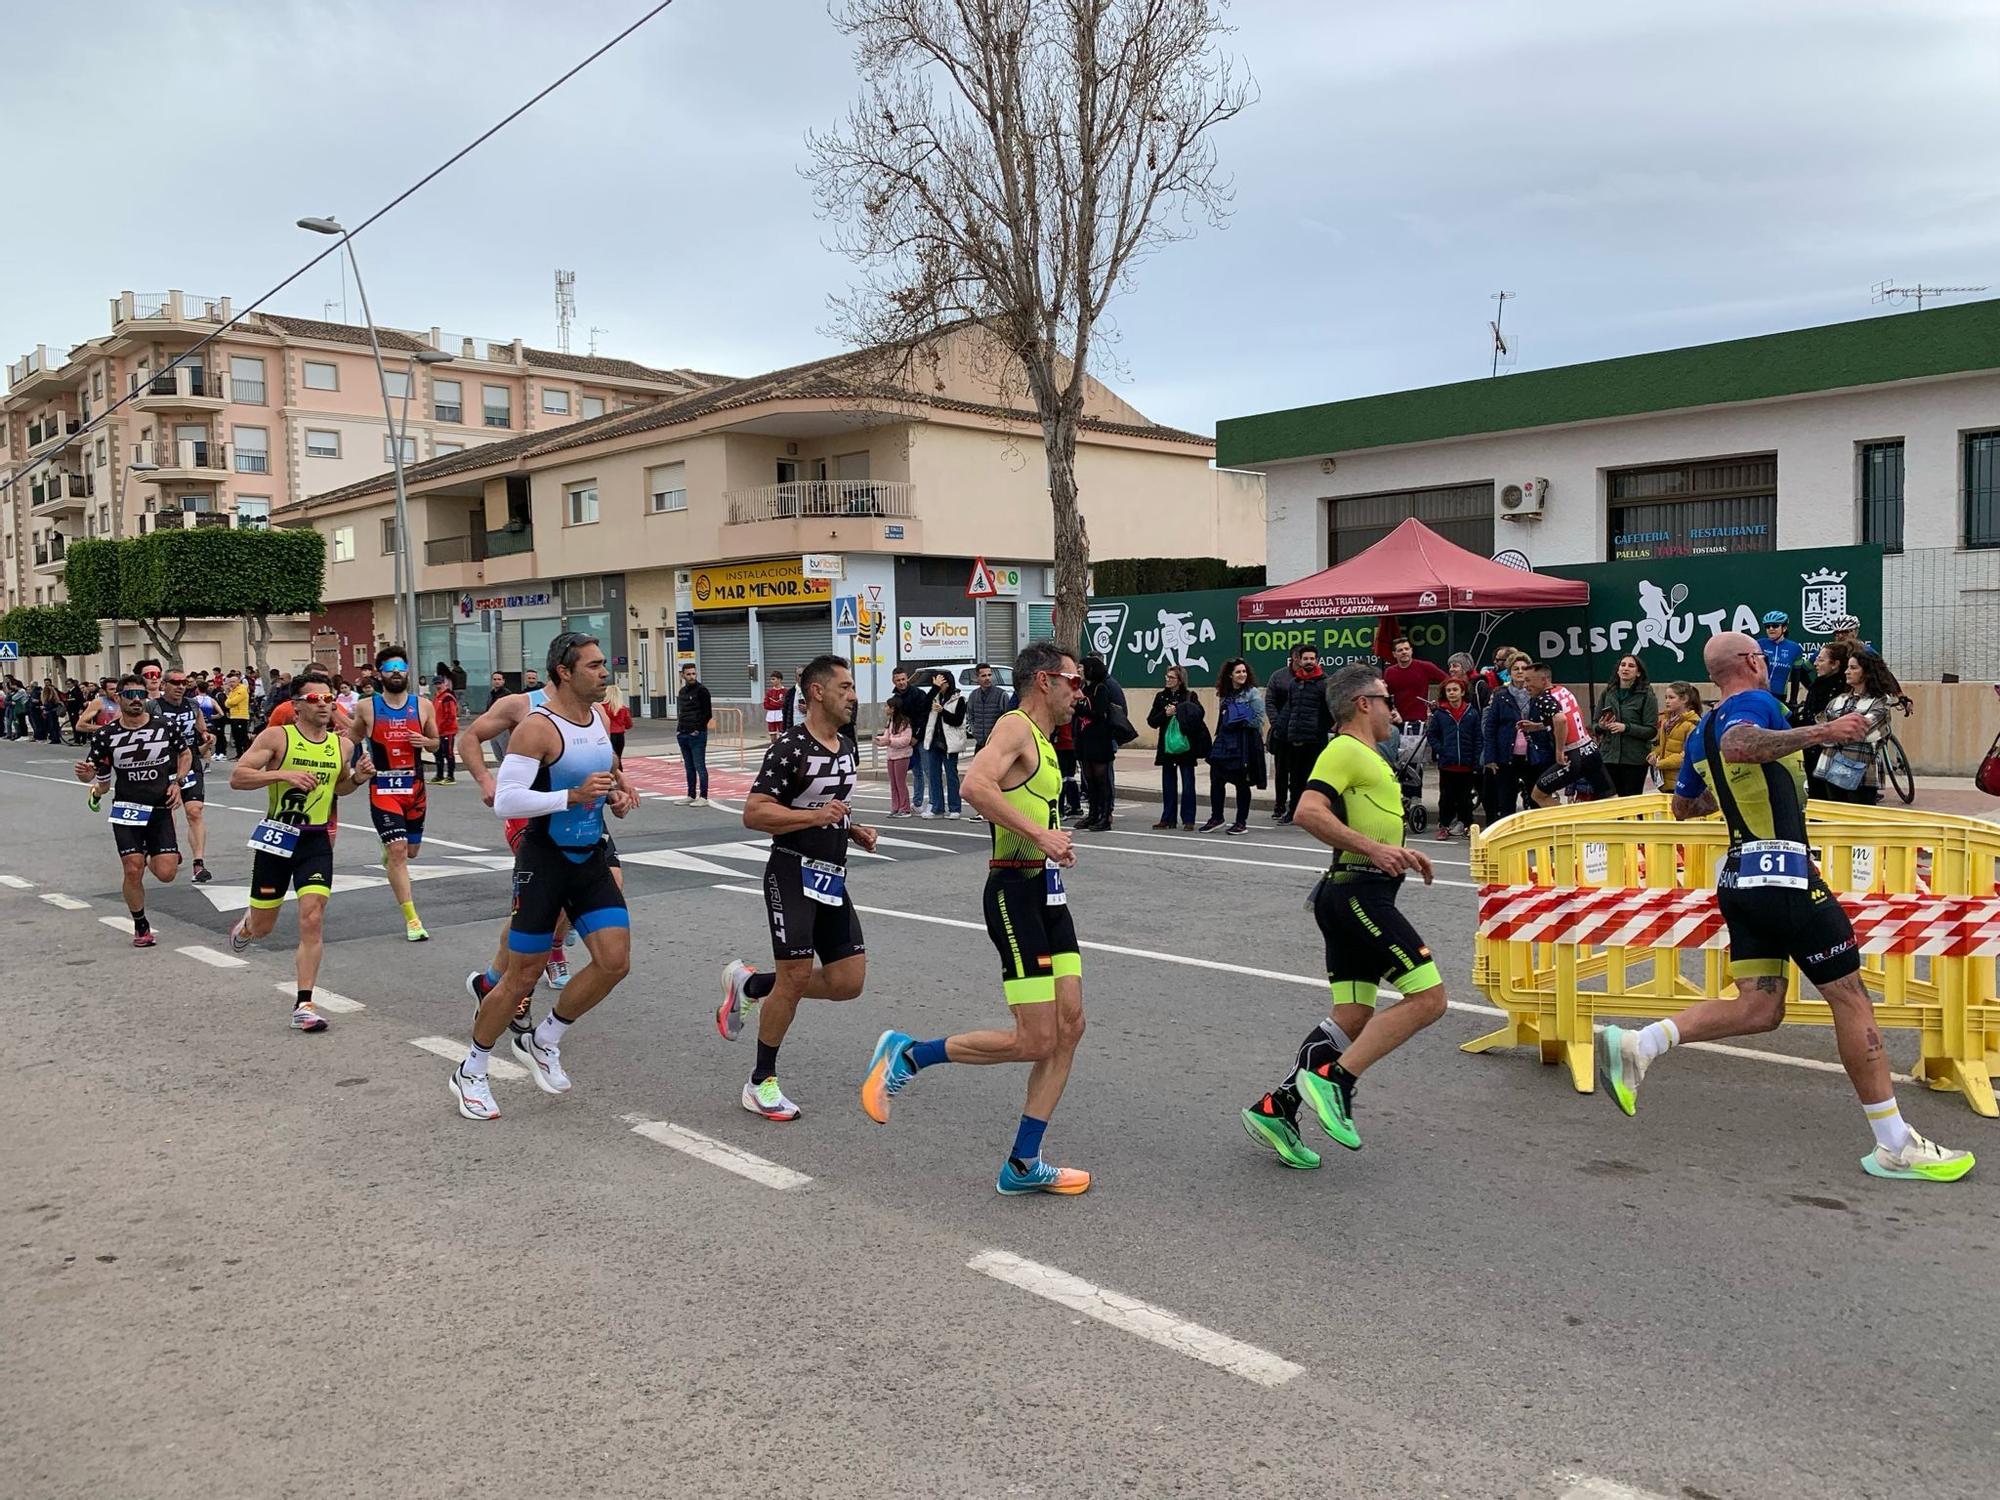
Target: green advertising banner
1664, 610
1268, 645
1141, 635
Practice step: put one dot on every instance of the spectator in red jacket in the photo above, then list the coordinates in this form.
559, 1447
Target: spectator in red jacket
444, 699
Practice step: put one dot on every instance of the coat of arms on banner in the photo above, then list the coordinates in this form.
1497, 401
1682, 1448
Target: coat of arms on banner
1822, 601
1103, 628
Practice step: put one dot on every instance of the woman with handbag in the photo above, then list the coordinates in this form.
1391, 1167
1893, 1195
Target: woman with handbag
1848, 772
1184, 739
1237, 756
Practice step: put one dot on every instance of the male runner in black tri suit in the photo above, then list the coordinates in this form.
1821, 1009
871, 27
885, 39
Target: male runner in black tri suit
185, 714
143, 758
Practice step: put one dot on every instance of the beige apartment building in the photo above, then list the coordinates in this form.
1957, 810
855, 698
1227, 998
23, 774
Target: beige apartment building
275, 409
747, 526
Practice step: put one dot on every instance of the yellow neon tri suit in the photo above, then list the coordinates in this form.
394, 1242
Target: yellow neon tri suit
1027, 909
1367, 939
308, 869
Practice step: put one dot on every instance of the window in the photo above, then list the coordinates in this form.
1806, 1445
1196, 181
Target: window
498, 404
666, 488
343, 544
583, 593
323, 442
582, 503
253, 513
555, 403
103, 454
320, 376
593, 406
389, 449
1459, 513
441, 449
447, 401
1694, 509
104, 519
388, 535
246, 380
1882, 494
97, 386
1982, 489
396, 383
253, 450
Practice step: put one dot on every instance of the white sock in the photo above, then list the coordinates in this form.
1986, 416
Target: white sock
1333, 1033
1886, 1120
550, 1032
475, 1061
1656, 1038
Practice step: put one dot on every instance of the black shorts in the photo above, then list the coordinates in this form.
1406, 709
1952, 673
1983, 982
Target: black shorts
397, 828
1585, 768
1368, 939
548, 884
309, 871
155, 836
194, 788
1768, 927
801, 926
1036, 939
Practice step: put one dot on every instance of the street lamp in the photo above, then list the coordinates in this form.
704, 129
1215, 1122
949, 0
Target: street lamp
406, 596
117, 534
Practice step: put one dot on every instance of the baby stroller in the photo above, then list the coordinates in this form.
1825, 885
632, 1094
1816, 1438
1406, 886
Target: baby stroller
1406, 759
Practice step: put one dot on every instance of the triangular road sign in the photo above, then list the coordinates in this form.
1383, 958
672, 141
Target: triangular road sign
983, 584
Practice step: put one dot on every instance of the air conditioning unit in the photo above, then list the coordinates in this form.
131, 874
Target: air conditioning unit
1525, 498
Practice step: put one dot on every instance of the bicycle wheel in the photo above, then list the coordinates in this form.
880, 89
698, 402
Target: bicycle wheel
1895, 767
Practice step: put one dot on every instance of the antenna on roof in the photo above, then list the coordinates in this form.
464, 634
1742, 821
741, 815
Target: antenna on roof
1503, 352
565, 307
326, 309
1897, 295
593, 338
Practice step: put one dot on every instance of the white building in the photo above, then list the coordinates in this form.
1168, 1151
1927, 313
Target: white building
1885, 430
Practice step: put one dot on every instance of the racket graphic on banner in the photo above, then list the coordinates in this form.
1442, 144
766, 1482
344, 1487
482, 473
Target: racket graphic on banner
1513, 557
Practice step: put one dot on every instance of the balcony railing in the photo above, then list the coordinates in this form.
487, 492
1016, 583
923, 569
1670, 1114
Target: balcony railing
510, 543
59, 488
50, 552
456, 549
186, 453
48, 430
186, 380
172, 307
830, 498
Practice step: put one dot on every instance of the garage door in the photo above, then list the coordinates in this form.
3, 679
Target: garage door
793, 637
996, 631
722, 649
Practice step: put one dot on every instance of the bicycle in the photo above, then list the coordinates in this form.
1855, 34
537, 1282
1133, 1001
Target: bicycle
1892, 765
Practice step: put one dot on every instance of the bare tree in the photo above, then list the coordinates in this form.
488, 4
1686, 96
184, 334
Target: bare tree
1010, 161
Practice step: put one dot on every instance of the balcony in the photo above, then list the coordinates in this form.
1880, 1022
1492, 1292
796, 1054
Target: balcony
809, 499
40, 373
184, 388
49, 555
190, 459
53, 493
52, 432
477, 558
184, 520
152, 313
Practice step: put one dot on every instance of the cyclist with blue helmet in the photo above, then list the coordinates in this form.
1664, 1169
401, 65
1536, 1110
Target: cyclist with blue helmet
1785, 657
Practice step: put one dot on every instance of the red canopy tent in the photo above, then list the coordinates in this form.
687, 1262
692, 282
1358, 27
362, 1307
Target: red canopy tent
1410, 571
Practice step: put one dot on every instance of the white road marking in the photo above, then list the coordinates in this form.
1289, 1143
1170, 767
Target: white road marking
901, 843
445, 1047
716, 1153
122, 924
486, 861
326, 1000
15, 882
676, 859
1589, 1487
213, 958
1167, 1329
431, 838
236, 897
67, 903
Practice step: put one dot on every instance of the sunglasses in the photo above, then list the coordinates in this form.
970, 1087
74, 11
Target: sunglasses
394, 666
135, 694
315, 697
177, 682
1074, 679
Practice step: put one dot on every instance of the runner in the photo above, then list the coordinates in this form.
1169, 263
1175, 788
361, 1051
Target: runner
396, 726
1578, 760
141, 757
176, 704
801, 799
304, 768
559, 775
1016, 784
1777, 908
1352, 804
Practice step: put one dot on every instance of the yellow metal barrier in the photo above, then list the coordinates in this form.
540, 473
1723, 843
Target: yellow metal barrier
1553, 991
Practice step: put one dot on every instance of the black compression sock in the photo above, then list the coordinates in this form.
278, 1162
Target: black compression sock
758, 985
767, 1063
305, 997
139, 922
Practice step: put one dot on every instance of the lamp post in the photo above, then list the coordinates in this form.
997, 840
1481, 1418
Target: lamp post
118, 534
406, 595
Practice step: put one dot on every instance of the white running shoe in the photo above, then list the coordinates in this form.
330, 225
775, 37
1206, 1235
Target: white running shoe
474, 1095
557, 968
768, 1100
736, 1007
691, 802
238, 940
544, 1063
1919, 1160
305, 1018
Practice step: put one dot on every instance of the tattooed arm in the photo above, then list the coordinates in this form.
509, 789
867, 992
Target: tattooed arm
1694, 807
1749, 744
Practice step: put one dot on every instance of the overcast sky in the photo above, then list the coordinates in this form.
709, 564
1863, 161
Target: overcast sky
1641, 175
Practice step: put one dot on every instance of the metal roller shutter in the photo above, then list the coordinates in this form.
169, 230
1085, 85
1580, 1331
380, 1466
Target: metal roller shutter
793, 637
722, 650
997, 626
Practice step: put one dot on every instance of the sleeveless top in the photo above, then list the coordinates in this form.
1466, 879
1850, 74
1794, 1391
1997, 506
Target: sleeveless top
392, 747
1037, 798
324, 758
586, 749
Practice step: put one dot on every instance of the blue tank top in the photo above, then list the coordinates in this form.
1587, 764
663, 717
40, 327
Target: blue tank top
577, 831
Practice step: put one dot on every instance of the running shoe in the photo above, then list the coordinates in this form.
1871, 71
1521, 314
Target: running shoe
544, 1063
474, 1095
1281, 1135
238, 938
1041, 1177
889, 1071
201, 874
1620, 1067
96, 800
736, 1007
1919, 1161
557, 968
475, 986
1211, 825
1329, 1089
144, 939
414, 931
768, 1100
305, 1018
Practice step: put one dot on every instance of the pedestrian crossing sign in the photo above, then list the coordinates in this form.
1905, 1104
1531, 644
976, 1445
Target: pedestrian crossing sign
10, 650
847, 615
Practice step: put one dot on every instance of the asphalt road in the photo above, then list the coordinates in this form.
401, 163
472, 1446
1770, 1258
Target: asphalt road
242, 1261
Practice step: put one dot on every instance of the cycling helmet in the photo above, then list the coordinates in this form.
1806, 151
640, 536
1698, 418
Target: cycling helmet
1777, 617
1843, 622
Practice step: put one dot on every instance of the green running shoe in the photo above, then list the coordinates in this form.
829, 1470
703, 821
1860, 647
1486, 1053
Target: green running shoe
1282, 1136
1919, 1161
96, 800
1619, 1066
1332, 1099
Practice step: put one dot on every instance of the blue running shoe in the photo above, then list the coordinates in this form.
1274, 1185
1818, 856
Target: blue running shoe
888, 1070
1039, 1177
